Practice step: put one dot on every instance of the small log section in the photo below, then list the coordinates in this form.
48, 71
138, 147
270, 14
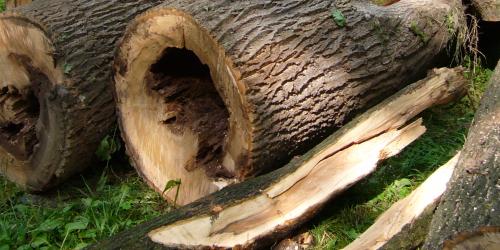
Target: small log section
488, 9
214, 92
406, 223
55, 97
10, 4
468, 216
254, 213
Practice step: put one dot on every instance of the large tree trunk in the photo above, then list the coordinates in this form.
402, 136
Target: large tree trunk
10, 4
212, 92
253, 213
55, 72
469, 214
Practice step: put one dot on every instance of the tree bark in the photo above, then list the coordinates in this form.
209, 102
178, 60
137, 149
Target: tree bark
406, 223
55, 74
253, 213
284, 74
472, 201
10, 4
488, 9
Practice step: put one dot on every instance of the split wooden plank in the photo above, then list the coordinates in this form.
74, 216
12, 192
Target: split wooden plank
405, 224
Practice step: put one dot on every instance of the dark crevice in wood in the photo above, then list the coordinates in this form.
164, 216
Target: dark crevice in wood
192, 103
20, 110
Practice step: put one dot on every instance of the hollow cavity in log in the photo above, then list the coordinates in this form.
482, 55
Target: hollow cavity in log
19, 89
18, 115
175, 112
191, 105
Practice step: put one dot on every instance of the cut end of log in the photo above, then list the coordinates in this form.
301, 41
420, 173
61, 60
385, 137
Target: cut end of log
180, 115
26, 67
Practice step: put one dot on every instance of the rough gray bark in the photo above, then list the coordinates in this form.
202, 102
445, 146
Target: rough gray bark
78, 111
472, 199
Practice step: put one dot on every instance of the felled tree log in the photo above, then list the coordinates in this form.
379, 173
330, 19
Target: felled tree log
255, 212
213, 92
469, 213
55, 72
10, 4
488, 9
406, 223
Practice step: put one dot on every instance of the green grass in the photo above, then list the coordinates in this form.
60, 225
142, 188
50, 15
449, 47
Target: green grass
93, 207
2, 5
348, 216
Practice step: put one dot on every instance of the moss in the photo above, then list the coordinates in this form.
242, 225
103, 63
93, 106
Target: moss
419, 32
338, 17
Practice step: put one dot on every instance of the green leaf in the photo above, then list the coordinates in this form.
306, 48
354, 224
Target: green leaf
39, 241
24, 247
81, 246
171, 184
405, 182
49, 225
338, 17
87, 202
89, 234
4, 247
79, 224
67, 68
351, 233
127, 205
107, 148
67, 208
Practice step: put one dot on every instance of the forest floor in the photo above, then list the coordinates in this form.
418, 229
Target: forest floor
110, 197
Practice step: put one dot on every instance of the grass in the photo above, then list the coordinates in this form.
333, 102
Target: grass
92, 207
95, 205
2, 5
348, 216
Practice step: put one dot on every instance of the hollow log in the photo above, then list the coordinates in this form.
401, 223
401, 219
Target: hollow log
489, 10
214, 92
10, 4
406, 223
468, 216
253, 213
55, 97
